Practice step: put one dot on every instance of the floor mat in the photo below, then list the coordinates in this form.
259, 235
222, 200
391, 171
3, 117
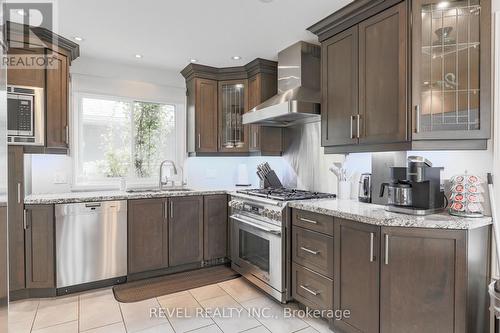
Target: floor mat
148, 288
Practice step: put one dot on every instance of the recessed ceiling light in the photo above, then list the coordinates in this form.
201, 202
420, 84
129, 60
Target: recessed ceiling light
443, 4
138, 56
236, 57
266, 1
193, 60
78, 39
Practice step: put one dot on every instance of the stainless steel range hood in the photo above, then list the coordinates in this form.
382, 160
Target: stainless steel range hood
298, 99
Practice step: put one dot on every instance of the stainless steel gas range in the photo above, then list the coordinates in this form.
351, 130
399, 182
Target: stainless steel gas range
260, 236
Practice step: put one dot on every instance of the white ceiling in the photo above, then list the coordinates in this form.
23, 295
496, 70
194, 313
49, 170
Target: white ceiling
170, 32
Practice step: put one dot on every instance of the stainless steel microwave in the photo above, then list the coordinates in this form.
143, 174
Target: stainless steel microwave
25, 115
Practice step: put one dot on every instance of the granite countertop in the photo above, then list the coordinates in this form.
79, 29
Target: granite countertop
76, 197
377, 215
348, 209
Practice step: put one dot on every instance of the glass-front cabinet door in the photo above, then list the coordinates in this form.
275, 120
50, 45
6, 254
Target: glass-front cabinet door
451, 70
233, 103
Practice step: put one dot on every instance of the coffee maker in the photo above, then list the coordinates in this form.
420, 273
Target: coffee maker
415, 189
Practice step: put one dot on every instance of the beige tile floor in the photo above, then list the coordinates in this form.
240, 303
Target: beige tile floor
227, 307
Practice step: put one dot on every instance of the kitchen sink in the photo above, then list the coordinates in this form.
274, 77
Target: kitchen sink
176, 189
153, 190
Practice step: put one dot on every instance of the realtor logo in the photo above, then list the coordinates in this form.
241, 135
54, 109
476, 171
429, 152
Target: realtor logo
25, 22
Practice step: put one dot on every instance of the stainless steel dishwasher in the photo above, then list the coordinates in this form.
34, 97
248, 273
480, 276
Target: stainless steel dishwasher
91, 243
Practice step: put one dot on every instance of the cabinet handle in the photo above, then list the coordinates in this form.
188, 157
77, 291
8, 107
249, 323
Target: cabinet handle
386, 249
67, 134
310, 291
307, 220
309, 250
372, 236
417, 118
171, 209
350, 120
25, 219
165, 210
19, 193
199, 140
255, 139
358, 126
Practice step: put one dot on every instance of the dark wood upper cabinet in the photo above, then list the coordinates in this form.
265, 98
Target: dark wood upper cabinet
40, 257
205, 115
383, 110
215, 226
25, 77
364, 84
185, 230
356, 276
263, 139
57, 126
16, 218
147, 235
339, 84
451, 76
221, 96
54, 78
254, 99
424, 76
233, 103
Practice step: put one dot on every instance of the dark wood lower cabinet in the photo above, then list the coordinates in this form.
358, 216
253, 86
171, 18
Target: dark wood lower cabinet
39, 247
356, 276
313, 250
4, 259
424, 281
169, 232
311, 289
15, 221
185, 230
147, 235
215, 226
396, 279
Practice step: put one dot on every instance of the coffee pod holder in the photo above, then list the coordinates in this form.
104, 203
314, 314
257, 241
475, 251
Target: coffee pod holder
467, 196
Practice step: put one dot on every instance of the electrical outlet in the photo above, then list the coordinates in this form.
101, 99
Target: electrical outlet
60, 178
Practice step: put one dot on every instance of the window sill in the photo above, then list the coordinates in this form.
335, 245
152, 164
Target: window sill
94, 187
114, 186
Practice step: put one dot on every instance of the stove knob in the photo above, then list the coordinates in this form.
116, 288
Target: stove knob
266, 212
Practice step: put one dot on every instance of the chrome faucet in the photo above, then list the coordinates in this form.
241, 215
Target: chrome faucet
174, 169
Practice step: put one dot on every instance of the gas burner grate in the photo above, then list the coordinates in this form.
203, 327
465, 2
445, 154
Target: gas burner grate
286, 194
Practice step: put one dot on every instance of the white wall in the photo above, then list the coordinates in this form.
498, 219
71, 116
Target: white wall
222, 172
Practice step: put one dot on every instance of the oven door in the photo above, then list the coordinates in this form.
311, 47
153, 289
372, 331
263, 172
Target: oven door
256, 250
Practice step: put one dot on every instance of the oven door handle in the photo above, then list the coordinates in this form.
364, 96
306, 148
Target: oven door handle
255, 225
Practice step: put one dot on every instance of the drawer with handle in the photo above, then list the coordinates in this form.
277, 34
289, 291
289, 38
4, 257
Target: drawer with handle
311, 289
313, 221
313, 250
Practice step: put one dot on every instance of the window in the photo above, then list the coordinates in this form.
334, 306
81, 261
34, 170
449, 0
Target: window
118, 138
